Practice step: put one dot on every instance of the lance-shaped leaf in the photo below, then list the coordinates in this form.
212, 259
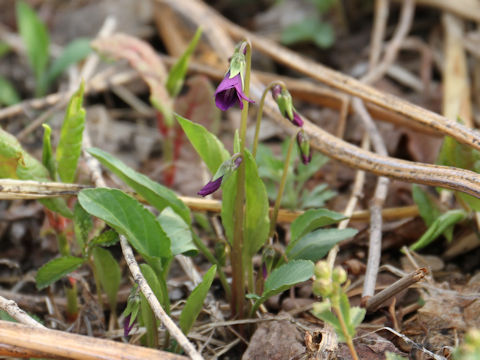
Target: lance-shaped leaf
283, 278
158, 286
83, 223
177, 230
35, 37
8, 94
179, 70
56, 269
128, 217
109, 274
74, 52
142, 58
157, 195
194, 303
207, 145
311, 220
257, 222
48, 159
70, 143
16, 163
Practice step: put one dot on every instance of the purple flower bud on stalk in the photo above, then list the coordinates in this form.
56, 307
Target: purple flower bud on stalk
225, 169
285, 105
230, 92
210, 187
304, 147
127, 326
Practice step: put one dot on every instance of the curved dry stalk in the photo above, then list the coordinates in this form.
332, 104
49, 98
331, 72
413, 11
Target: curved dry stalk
12, 309
154, 303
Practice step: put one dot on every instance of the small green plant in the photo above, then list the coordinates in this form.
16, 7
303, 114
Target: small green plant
312, 29
335, 308
470, 349
37, 42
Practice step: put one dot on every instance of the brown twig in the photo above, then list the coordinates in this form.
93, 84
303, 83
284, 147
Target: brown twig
18, 314
65, 345
374, 302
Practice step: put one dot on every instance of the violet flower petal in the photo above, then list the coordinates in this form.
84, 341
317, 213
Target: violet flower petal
126, 325
210, 187
229, 92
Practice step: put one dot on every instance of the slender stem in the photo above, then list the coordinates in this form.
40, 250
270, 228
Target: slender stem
236, 256
348, 338
281, 188
260, 113
206, 252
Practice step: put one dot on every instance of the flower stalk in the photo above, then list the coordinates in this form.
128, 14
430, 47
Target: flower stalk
236, 257
281, 187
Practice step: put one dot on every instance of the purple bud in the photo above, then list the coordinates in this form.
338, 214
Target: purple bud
304, 147
230, 92
211, 187
127, 327
297, 120
264, 271
276, 91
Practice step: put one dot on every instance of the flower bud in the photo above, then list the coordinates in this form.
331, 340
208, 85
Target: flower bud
322, 287
339, 275
304, 147
322, 270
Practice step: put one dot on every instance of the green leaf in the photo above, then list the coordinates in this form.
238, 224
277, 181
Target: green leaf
257, 222
177, 230
129, 218
317, 197
428, 210
194, 303
70, 143
311, 220
83, 224
105, 239
35, 37
16, 163
229, 191
109, 274
357, 314
315, 245
309, 30
157, 195
207, 145
47, 155
8, 94
56, 269
74, 52
178, 71
4, 48
284, 277
158, 286
438, 227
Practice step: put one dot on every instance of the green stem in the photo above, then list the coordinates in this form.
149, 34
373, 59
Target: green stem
281, 188
236, 255
221, 275
260, 113
348, 338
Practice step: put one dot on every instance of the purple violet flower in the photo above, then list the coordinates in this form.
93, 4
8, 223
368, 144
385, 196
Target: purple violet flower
230, 92
297, 120
210, 187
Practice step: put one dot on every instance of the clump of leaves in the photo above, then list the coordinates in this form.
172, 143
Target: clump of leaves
296, 195
37, 43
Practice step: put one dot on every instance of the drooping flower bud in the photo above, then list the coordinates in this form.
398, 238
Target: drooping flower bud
225, 169
131, 311
285, 105
304, 147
